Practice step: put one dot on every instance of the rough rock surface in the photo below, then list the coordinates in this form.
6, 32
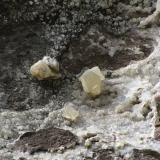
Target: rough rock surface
51, 139
98, 47
145, 155
108, 154
80, 34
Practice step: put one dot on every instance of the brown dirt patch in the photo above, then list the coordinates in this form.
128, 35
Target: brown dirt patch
46, 140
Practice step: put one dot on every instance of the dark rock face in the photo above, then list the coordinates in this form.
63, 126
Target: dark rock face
145, 155
46, 140
20, 48
108, 154
98, 47
118, 16
64, 22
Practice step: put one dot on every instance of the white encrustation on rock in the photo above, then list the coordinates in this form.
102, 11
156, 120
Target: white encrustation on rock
127, 104
70, 113
91, 81
47, 68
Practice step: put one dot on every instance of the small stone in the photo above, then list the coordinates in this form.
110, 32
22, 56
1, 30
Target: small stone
94, 139
101, 113
70, 113
120, 145
92, 81
146, 109
44, 69
123, 107
88, 143
127, 104
157, 97
157, 133
86, 134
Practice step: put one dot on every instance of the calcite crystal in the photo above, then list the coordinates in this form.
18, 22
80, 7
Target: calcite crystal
97, 71
91, 81
47, 68
70, 113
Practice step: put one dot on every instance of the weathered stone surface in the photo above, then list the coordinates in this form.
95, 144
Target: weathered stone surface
46, 140
69, 112
92, 81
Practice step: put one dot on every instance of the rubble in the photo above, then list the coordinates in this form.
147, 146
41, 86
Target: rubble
91, 81
88, 143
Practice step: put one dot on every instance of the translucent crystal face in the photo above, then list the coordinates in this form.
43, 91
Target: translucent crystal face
41, 70
70, 113
97, 71
92, 81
